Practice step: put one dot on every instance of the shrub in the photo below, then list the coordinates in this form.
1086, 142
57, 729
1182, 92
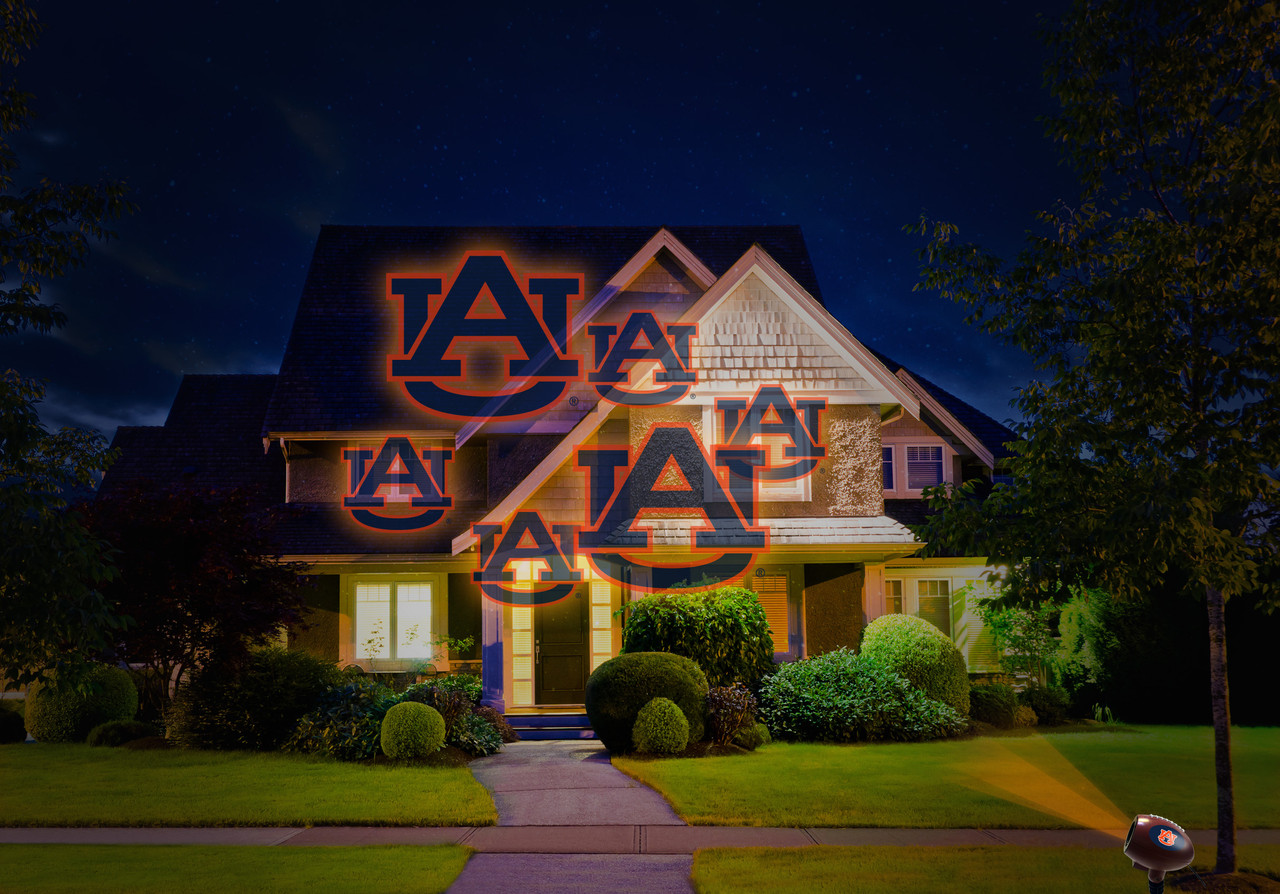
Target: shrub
12, 729
505, 730
255, 705
451, 703
411, 730
842, 697
347, 723
1024, 716
115, 733
723, 631
923, 654
730, 710
67, 715
475, 735
993, 703
467, 684
753, 737
619, 688
1049, 703
661, 728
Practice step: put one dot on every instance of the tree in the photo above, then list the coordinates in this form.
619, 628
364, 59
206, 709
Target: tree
199, 576
51, 614
1151, 441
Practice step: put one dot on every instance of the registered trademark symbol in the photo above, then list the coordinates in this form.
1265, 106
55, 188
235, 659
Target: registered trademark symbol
573, 401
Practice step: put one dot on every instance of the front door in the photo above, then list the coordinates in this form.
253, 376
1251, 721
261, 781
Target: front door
561, 649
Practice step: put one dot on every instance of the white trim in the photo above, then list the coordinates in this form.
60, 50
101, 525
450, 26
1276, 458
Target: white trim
953, 425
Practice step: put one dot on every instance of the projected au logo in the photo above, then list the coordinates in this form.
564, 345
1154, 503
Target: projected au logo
396, 471
526, 539
642, 339
771, 412
482, 345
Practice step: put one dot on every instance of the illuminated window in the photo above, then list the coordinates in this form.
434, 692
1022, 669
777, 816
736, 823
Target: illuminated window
893, 597
393, 619
924, 467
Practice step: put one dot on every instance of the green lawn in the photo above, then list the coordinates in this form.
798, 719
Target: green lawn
49, 868
891, 870
1097, 779
75, 785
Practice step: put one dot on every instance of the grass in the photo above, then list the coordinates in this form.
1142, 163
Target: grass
1065, 780
75, 785
51, 868
992, 870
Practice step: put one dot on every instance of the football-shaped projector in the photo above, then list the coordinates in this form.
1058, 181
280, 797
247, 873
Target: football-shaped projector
1158, 845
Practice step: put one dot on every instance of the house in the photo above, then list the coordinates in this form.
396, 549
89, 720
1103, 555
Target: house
507, 433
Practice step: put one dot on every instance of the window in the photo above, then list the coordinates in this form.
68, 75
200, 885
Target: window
772, 590
935, 603
893, 597
393, 619
924, 467
886, 466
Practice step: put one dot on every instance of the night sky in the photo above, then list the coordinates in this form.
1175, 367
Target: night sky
241, 128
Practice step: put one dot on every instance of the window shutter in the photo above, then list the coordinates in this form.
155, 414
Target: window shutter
772, 590
937, 611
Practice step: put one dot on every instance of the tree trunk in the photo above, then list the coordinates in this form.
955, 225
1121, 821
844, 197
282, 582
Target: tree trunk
1221, 729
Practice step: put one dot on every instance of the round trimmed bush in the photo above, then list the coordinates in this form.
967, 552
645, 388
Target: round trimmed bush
1025, 716
620, 687
661, 728
115, 733
842, 697
993, 703
67, 715
923, 654
411, 730
12, 730
752, 737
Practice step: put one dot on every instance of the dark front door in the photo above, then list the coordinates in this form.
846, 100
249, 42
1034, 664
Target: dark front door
561, 650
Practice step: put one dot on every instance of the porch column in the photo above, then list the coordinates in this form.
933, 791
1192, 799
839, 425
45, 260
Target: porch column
492, 670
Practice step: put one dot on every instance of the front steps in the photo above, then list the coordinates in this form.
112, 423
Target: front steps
568, 724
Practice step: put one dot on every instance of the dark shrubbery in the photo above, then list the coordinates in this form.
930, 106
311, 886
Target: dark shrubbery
620, 687
12, 729
730, 710
256, 705
506, 731
115, 733
55, 715
453, 703
1049, 703
468, 684
752, 737
347, 724
723, 631
411, 730
843, 697
993, 703
923, 654
474, 734
661, 728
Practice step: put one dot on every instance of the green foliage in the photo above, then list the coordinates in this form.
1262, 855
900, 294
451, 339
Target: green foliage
505, 730
842, 697
62, 714
1024, 716
1049, 703
661, 728
411, 730
200, 575
752, 737
12, 729
923, 654
347, 724
254, 705
993, 703
115, 733
452, 702
467, 684
724, 631
1024, 635
50, 566
619, 688
476, 735
730, 710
